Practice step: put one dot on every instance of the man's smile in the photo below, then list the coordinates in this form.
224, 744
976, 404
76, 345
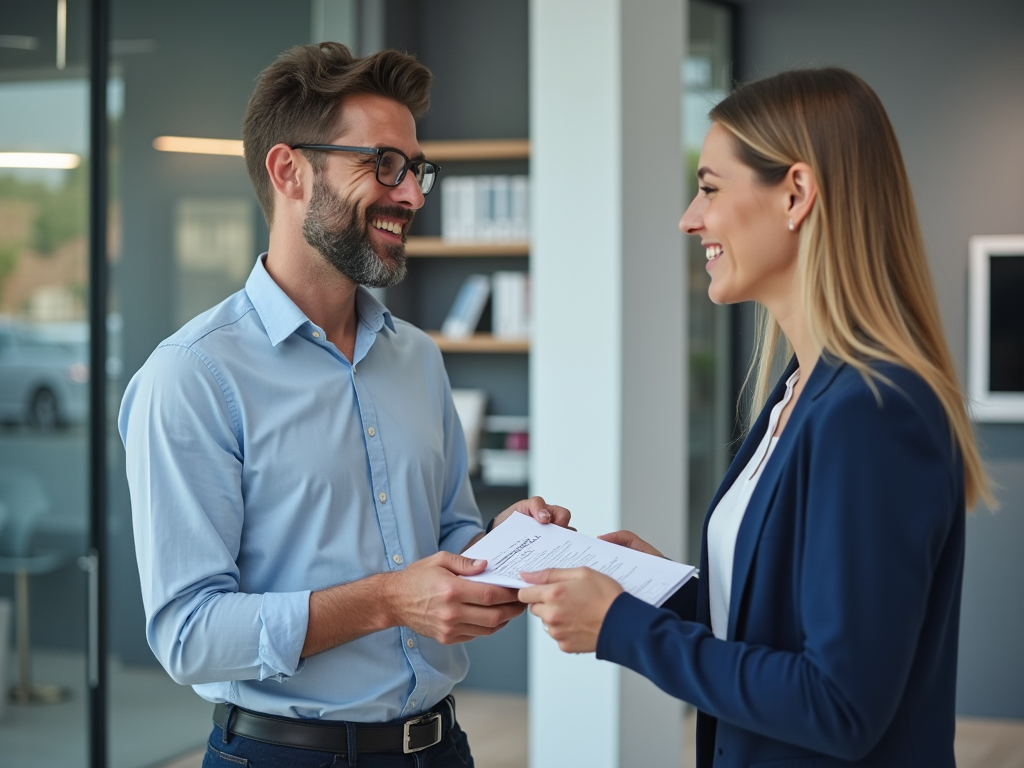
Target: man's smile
386, 225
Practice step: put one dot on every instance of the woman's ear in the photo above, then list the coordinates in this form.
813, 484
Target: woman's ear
802, 191
288, 171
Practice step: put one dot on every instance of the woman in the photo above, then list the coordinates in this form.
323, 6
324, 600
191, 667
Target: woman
824, 626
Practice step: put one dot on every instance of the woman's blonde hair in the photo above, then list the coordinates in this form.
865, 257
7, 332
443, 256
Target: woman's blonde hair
864, 278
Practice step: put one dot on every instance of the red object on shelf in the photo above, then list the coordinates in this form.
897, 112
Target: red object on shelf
517, 441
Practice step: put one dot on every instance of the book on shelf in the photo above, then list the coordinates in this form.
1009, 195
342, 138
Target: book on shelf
505, 455
467, 308
510, 305
471, 405
485, 208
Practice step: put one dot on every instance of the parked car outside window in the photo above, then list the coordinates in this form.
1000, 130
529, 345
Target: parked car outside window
43, 381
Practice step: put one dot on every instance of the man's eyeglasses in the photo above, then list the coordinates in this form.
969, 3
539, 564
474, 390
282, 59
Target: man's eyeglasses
392, 164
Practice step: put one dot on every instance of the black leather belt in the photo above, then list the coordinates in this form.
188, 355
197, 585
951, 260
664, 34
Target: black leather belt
408, 736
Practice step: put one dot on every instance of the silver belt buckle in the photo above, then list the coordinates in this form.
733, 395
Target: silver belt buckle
434, 719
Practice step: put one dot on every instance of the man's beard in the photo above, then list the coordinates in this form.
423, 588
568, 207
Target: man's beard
334, 227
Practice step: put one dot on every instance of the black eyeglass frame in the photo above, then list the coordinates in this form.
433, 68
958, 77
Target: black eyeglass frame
379, 152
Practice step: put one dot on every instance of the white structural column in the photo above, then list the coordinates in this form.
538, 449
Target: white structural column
607, 383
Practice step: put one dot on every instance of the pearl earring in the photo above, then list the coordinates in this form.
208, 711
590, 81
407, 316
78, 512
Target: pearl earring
790, 225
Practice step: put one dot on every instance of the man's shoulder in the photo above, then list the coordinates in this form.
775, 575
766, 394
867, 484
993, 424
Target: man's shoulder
224, 319
208, 341
188, 365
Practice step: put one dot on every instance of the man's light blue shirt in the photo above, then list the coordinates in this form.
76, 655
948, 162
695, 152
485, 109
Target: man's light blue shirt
263, 465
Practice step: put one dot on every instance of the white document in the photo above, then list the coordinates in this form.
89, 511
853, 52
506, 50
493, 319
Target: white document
522, 544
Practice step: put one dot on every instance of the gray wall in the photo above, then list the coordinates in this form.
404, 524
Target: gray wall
951, 75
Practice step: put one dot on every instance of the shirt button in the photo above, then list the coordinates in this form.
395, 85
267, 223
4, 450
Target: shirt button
383, 497
397, 559
412, 703
316, 334
410, 643
371, 432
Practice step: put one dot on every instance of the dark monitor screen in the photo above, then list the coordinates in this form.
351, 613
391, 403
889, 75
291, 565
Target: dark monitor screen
1006, 324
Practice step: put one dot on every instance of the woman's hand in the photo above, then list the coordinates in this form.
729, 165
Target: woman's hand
571, 603
539, 510
630, 540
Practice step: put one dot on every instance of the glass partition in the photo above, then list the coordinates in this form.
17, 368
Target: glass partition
44, 381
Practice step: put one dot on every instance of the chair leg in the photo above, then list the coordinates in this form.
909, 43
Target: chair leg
25, 692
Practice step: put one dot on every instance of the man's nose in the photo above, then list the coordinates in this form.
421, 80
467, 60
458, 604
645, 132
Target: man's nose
408, 192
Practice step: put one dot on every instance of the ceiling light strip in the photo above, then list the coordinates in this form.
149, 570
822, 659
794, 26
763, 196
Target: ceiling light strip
197, 146
59, 160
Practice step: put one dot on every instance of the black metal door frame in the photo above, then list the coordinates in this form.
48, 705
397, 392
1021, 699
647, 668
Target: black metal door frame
99, 47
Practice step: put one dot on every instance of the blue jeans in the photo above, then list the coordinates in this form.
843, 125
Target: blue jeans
239, 752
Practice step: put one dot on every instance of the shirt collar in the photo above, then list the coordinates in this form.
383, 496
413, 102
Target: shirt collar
281, 317
371, 312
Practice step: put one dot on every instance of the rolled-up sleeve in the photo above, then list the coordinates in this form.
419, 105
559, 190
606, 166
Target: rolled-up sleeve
183, 443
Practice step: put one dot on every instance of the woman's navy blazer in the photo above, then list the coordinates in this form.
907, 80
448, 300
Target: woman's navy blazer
844, 615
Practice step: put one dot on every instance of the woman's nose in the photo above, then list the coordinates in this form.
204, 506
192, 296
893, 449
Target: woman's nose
692, 221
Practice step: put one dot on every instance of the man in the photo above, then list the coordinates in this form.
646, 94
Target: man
296, 466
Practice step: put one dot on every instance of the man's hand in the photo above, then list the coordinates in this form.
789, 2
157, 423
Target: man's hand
536, 508
630, 540
431, 599
572, 604
539, 510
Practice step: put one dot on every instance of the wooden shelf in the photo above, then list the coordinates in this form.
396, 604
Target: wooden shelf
480, 342
476, 149
436, 246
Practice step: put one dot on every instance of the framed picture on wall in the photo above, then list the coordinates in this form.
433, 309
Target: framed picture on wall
995, 369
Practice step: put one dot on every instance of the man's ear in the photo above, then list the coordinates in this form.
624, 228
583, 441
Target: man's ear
801, 193
289, 171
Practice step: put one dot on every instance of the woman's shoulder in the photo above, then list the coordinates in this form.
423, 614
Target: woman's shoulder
884, 397
886, 378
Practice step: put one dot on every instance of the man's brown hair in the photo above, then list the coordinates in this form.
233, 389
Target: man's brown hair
298, 98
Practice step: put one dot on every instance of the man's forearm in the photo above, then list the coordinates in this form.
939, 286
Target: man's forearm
346, 612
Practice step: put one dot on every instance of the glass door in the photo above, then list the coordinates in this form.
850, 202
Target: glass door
44, 381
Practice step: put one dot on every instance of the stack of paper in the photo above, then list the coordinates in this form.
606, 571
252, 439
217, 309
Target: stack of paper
522, 544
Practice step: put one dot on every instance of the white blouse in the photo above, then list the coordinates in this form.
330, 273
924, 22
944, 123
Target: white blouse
727, 516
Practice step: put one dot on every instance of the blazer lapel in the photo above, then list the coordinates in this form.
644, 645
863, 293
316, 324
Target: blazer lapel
738, 463
749, 534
